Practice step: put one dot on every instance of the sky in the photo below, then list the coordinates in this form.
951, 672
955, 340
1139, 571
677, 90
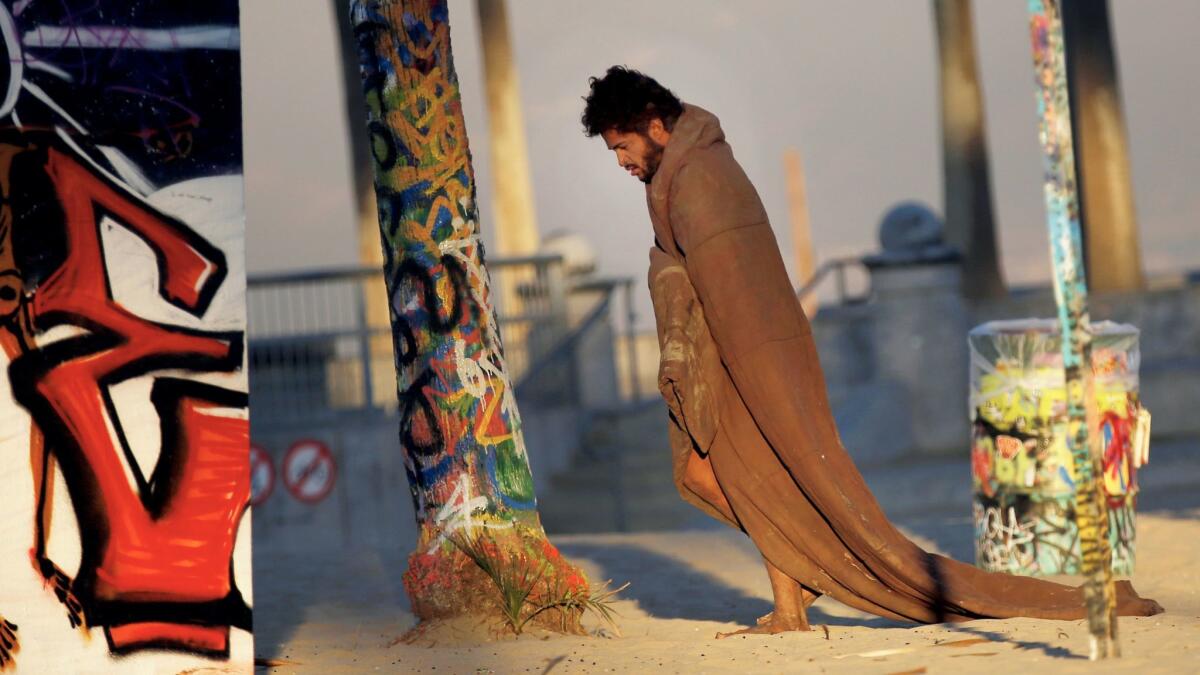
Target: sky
852, 86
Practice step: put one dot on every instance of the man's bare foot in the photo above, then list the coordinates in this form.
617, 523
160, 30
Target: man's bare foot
807, 598
9, 645
770, 625
791, 606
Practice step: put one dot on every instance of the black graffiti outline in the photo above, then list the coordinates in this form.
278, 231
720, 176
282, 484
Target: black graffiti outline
413, 272
377, 130
413, 401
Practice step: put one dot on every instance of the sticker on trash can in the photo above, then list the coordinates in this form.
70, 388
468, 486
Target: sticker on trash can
262, 475
309, 471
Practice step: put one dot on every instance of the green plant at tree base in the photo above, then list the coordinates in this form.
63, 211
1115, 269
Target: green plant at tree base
517, 576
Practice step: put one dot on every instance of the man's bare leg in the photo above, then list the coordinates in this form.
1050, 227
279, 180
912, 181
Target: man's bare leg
807, 598
791, 604
700, 479
791, 599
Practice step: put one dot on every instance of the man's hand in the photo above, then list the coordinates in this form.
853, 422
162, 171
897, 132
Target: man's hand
685, 380
672, 366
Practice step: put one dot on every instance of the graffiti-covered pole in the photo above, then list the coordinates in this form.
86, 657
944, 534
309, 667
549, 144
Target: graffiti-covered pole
460, 430
1070, 292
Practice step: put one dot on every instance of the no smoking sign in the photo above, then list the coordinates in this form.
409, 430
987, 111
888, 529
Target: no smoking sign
309, 471
262, 475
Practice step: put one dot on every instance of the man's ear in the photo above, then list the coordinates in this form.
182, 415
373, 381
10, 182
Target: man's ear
658, 132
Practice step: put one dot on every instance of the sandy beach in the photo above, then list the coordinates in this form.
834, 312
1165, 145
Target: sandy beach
344, 612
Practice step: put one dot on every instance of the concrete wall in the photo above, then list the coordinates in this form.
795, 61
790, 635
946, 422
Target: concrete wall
370, 504
896, 366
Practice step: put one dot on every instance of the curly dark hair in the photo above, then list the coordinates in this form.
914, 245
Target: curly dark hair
626, 100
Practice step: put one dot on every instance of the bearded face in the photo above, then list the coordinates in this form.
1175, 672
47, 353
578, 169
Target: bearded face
637, 152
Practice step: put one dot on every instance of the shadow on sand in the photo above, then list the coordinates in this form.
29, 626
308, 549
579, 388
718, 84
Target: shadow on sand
295, 589
668, 588
326, 584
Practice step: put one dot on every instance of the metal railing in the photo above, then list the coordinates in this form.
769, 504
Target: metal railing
836, 266
320, 342
603, 335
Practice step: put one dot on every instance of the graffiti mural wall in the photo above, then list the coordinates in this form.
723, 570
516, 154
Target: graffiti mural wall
1022, 471
124, 431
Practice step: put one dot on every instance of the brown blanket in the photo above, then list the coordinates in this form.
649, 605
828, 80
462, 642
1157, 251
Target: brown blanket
753, 399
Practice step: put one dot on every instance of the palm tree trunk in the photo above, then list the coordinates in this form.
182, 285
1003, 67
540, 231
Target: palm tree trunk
802, 244
966, 181
1110, 231
360, 150
366, 221
512, 189
460, 430
516, 224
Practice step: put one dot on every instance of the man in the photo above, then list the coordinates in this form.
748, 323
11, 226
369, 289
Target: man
753, 437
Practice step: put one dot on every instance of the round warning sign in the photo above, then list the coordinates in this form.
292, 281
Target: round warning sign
309, 471
262, 475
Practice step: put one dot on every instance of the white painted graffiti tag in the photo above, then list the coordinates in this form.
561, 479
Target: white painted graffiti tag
470, 373
491, 362
1002, 541
459, 513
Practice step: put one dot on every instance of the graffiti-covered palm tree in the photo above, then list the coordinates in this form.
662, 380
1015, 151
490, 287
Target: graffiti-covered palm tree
967, 184
460, 430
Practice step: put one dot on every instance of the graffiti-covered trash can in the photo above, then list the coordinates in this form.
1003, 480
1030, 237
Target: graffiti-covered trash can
1021, 466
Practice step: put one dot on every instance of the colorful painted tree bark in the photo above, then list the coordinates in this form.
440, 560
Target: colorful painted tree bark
460, 429
1070, 291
